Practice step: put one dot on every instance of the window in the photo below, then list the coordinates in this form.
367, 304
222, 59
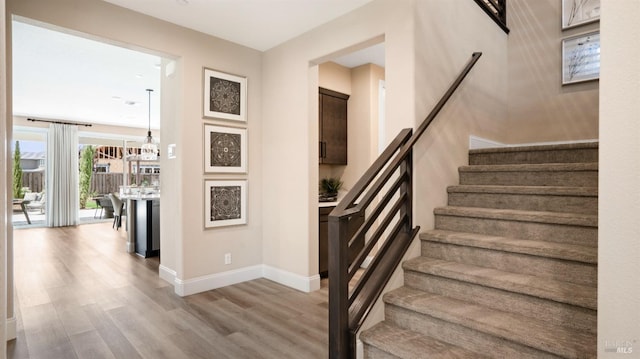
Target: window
146, 169
102, 168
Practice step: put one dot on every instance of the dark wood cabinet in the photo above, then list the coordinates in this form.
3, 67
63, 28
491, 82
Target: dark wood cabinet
332, 127
323, 238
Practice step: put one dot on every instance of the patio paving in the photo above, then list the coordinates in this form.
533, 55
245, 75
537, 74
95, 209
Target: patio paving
38, 219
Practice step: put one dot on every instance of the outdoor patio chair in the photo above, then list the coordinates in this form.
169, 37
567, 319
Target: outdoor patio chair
118, 210
38, 203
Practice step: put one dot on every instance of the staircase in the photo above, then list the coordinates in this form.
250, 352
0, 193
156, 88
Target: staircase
510, 270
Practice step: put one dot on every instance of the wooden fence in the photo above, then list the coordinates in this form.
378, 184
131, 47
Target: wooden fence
101, 183
33, 180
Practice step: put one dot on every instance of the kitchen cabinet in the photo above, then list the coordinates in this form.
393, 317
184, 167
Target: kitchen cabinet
323, 238
144, 225
332, 127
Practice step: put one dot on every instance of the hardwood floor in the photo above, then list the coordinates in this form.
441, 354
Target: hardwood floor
79, 295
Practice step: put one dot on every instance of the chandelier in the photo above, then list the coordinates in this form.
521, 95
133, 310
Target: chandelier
149, 147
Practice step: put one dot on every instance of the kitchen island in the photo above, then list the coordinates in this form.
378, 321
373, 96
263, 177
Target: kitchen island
143, 221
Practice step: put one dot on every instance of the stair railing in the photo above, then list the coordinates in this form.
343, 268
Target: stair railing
497, 10
383, 195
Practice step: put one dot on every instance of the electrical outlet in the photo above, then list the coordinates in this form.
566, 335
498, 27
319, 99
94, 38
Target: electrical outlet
227, 258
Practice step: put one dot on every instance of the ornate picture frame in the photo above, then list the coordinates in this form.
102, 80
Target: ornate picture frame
579, 12
224, 96
225, 203
225, 149
581, 58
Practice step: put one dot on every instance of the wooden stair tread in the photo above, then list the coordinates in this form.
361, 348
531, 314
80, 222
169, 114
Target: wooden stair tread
517, 328
536, 167
526, 190
564, 251
408, 344
559, 291
576, 219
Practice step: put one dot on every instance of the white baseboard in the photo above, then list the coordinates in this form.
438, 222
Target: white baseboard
12, 328
550, 143
131, 247
476, 143
359, 349
213, 281
218, 280
296, 281
167, 274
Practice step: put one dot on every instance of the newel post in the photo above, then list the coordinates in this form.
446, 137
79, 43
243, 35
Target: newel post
338, 288
409, 184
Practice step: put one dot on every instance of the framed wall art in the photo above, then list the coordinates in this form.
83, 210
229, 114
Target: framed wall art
581, 58
225, 203
225, 96
579, 12
225, 149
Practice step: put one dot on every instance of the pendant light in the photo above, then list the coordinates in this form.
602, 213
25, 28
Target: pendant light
149, 147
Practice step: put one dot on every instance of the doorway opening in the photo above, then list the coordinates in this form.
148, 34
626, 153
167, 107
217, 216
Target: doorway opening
354, 79
86, 80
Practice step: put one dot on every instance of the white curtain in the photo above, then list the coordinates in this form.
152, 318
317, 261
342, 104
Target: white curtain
62, 176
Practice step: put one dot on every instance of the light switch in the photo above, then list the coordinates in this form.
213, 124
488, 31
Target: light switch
171, 151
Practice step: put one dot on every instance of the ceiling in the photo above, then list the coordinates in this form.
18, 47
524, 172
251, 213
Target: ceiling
90, 81
61, 76
258, 24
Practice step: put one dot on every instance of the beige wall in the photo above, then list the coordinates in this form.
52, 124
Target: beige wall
187, 248
290, 131
376, 76
619, 199
413, 85
334, 77
4, 173
447, 33
363, 121
540, 108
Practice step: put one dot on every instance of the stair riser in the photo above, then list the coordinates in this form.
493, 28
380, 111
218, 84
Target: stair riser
530, 178
550, 311
461, 336
371, 352
525, 202
532, 157
552, 268
586, 236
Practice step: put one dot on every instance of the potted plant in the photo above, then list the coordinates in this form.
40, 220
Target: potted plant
329, 189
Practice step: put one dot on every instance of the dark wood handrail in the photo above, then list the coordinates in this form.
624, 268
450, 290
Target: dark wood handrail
388, 183
497, 10
345, 207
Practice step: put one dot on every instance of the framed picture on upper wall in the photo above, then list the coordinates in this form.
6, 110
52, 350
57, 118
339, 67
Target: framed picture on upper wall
225, 149
225, 203
579, 12
225, 96
581, 58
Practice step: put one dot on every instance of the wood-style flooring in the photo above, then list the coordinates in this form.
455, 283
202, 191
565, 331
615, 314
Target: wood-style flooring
80, 295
